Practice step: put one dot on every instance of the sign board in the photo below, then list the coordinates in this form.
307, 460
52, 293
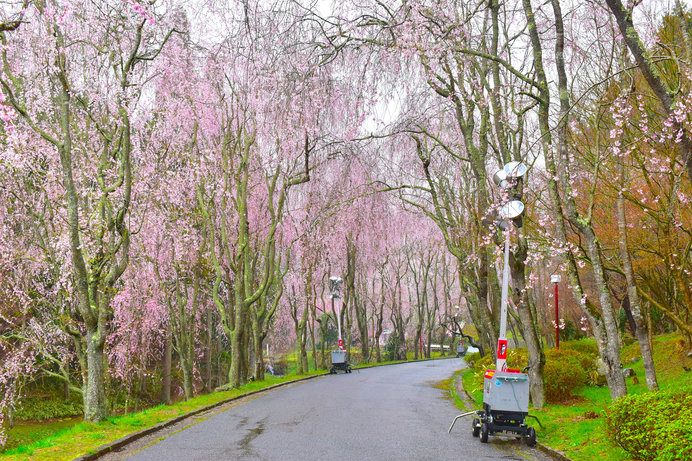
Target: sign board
502, 349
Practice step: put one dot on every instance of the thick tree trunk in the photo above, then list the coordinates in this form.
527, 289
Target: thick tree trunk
428, 347
641, 330
257, 342
304, 350
478, 307
376, 346
378, 334
235, 374
402, 352
95, 402
348, 326
361, 318
166, 378
612, 360
443, 336
209, 356
324, 327
247, 356
312, 339
300, 330
186, 366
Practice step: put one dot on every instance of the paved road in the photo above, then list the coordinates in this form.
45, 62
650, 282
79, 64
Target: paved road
384, 413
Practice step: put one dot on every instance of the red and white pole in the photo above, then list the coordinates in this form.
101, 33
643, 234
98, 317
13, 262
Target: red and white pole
501, 361
335, 293
338, 322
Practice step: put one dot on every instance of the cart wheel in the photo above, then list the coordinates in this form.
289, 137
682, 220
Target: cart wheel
484, 433
531, 437
476, 425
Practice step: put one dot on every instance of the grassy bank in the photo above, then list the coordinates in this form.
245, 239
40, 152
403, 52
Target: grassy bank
66, 443
577, 426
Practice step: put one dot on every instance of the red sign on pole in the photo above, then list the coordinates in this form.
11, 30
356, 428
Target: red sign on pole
341, 343
502, 349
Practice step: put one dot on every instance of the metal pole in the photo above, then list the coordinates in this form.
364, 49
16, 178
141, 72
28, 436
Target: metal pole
557, 326
338, 322
501, 362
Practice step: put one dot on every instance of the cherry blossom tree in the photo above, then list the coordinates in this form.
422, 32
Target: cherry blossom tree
78, 112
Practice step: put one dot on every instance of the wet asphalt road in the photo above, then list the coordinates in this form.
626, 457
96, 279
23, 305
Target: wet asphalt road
383, 413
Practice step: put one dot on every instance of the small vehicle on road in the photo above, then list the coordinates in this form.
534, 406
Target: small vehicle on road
505, 407
339, 362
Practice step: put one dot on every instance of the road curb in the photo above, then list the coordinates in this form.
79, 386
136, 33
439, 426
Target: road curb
552, 452
128, 439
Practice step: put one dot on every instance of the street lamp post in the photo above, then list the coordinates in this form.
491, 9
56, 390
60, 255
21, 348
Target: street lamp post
335, 293
555, 279
339, 359
508, 178
505, 392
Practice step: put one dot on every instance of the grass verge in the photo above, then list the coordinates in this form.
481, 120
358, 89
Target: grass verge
85, 438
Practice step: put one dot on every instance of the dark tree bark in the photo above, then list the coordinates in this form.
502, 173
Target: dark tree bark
166, 378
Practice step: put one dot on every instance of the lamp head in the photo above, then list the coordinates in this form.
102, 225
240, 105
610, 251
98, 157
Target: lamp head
500, 179
515, 169
335, 287
512, 209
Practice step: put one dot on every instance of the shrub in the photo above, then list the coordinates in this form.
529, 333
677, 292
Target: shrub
585, 346
565, 370
41, 409
516, 358
484, 363
471, 359
562, 377
355, 357
653, 426
281, 367
393, 350
585, 360
571, 332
